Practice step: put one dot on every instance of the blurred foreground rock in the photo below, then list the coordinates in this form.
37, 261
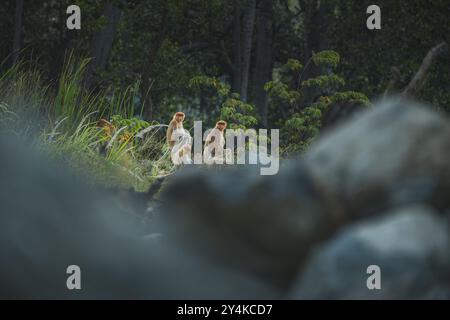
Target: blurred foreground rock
49, 221
409, 244
256, 224
394, 155
398, 153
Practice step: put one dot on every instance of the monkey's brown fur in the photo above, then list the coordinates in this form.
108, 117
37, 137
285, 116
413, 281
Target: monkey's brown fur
107, 126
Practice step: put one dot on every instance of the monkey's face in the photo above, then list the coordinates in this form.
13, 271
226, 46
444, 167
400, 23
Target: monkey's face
179, 118
221, 127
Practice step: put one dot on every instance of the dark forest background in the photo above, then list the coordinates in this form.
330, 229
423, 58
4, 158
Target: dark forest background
166, 43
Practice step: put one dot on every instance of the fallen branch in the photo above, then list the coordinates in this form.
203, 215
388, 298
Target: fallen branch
420, 78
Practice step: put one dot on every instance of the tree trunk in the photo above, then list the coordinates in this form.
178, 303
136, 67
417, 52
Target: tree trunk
17, 31
317, 40
249, 23
264, 59
60, 47
102, 43
237, 58
146, 82
318, 27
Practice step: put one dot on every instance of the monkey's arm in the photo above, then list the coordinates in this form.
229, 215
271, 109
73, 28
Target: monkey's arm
210, 138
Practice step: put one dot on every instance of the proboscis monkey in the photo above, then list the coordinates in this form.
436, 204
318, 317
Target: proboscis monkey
176, 123
179, 140
215, 141
108, 129
107, 126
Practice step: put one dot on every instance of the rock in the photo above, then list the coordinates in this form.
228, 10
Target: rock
48, 221
396, 153
262, 225
410, 245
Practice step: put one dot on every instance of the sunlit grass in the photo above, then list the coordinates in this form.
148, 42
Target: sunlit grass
62, 119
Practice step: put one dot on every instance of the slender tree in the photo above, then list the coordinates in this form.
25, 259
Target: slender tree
151, 56
264, 58
317, 25
237, 54
102, 42
247, 39
17, 30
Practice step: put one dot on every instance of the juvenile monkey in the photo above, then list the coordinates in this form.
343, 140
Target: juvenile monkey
109, 129
215, 143
107, 126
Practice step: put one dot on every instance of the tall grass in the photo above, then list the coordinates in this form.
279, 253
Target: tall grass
64, 120
74, 101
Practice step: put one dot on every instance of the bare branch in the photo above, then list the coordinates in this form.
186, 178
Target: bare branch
420, 78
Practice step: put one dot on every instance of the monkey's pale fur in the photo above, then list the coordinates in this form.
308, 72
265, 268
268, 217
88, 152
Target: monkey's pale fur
215, 151
175, 123
180, 153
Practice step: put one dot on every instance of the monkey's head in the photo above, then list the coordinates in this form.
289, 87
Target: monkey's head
221, 125
103, 123
179, 117
107, 126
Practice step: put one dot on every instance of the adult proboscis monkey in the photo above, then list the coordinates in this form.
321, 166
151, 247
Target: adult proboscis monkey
175, 123
215, 143
179, 140
216, 134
